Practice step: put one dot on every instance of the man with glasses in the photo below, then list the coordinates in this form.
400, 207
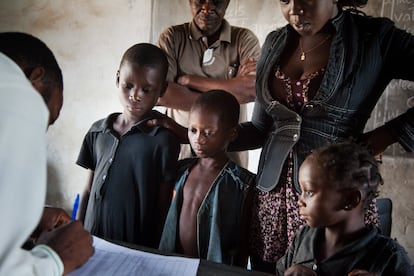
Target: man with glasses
205, 54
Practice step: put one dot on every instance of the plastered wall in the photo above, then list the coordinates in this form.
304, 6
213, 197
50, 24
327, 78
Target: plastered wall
88, 38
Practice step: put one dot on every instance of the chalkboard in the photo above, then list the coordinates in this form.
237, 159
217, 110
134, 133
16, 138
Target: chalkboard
263, 16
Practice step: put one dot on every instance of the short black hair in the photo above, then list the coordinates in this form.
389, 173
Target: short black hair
350, 166
224, 104
30, 52
352, 5
146, 54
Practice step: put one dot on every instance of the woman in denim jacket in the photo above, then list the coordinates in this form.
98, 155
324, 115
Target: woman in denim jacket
318, 79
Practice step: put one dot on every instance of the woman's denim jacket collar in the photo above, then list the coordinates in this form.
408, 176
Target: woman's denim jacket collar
343, 103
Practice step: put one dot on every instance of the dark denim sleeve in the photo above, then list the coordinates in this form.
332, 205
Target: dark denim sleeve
403, 127
398, 48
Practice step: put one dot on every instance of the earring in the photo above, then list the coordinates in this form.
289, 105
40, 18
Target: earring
301, 11
347, 207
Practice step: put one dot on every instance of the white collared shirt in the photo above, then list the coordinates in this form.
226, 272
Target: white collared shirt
23, 164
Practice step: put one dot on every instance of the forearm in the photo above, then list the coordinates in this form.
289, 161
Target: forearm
178, 97
179, 131
242, 87
402, 129
249, 138
379, 139
85, 198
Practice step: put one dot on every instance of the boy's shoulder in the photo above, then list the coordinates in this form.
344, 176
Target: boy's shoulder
186, 163
104, 123
231, 167
244, 174
167, 136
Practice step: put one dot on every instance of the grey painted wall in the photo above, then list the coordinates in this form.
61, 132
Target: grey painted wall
89, 37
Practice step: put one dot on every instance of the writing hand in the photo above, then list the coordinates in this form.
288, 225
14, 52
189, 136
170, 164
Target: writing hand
71, 242
52, 217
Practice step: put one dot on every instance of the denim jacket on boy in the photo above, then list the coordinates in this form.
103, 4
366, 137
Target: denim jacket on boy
366, 54
219, 218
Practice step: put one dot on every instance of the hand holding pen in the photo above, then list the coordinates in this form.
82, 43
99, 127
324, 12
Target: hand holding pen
66, 237
71, 242
52, 218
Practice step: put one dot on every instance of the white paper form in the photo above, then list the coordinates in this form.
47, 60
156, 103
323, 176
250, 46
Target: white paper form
112, 259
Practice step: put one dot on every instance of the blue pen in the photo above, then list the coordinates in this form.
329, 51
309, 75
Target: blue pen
75, 207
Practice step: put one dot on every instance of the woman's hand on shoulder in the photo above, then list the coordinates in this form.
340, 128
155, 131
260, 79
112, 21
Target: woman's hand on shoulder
173, 126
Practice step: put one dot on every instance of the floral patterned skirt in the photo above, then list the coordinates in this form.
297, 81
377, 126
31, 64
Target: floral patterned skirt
275, 217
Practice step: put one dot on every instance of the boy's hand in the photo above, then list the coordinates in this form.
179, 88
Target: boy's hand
71, 242
51, 218
359, 272
299, 270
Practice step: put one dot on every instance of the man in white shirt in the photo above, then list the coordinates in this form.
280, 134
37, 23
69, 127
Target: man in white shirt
31, 96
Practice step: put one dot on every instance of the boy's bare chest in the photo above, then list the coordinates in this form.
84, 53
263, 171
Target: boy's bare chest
196, 188
197, 185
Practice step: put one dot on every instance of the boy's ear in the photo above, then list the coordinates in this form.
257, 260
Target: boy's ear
163, 88
117, 79
234, 132
35, 76
353, 198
